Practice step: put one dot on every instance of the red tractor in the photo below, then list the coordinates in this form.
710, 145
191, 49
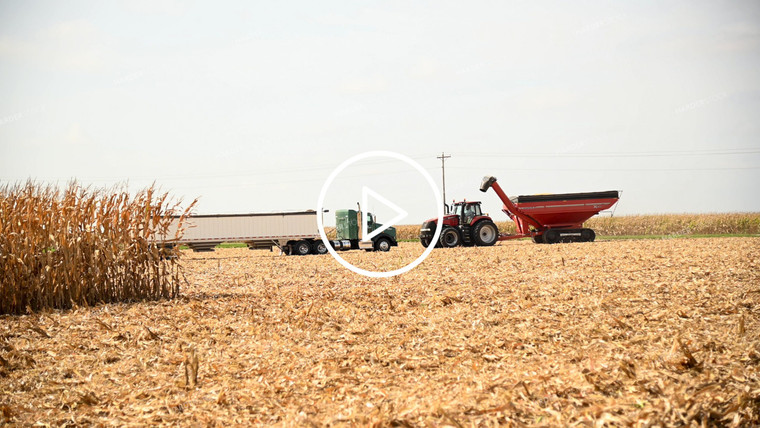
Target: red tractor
465, 225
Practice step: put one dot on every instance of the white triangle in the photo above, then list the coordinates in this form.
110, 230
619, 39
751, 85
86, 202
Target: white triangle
400, 213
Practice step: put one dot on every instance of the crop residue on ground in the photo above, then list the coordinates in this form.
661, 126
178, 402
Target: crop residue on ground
631, 332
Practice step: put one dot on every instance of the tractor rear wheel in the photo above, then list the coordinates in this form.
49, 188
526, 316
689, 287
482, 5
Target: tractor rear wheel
551, 236
450, 237
485, 233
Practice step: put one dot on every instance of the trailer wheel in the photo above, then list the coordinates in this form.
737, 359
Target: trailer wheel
538, 239
383, 244
301, 248
551, 236
319, 247
485, 233
450, 237
588, 235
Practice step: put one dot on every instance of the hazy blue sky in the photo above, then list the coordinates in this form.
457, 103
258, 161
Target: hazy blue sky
251, 105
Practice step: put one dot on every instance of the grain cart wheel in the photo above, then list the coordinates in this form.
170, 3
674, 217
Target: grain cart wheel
588, 235
301, 248
450, 237
319, 247
383, 244
485, 234
551, 236
538, 239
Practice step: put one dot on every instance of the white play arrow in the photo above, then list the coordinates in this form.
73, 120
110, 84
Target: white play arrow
400, 214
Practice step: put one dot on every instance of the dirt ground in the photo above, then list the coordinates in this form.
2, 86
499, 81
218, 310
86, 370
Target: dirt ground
642, 333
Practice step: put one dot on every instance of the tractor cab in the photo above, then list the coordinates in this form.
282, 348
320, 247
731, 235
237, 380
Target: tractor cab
467, 211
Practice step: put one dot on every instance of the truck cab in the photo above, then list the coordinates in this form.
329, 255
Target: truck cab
348, 224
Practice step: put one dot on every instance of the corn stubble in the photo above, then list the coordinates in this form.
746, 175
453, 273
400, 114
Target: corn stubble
79, 247
619, 333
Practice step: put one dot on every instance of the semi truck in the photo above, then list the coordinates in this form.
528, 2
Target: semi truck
348, 224
292, 232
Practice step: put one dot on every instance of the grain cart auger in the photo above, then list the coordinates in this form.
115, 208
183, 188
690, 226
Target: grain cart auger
553, 218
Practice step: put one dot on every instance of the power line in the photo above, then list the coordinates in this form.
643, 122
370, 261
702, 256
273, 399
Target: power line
480, 168
697, 152
243, 174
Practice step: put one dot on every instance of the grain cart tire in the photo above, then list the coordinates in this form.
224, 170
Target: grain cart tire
450, 237
538, 239
319, 247
301, 248
551, 236
383, 244
588, 235
485, 234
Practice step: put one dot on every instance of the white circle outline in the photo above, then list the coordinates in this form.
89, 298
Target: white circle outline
321, 201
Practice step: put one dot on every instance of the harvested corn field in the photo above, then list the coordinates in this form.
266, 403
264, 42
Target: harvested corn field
642, 333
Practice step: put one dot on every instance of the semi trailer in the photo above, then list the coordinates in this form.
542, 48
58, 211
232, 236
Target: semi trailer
292, 232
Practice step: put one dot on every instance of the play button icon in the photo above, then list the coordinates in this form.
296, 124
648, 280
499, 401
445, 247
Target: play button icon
400, 213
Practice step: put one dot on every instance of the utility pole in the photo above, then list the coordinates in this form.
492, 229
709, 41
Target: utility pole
443, 158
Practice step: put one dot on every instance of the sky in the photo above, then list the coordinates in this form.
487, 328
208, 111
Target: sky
251, 105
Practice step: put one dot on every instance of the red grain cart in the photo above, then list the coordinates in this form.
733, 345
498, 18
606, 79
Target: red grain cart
552, 218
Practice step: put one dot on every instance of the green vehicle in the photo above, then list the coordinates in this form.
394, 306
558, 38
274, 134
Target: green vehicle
348, 224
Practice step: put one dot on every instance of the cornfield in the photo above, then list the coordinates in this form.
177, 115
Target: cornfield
77, 246
657, 224
678, 224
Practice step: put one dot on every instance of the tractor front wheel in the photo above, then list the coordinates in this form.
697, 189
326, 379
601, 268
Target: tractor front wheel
450, 237
425, 242
485, 234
